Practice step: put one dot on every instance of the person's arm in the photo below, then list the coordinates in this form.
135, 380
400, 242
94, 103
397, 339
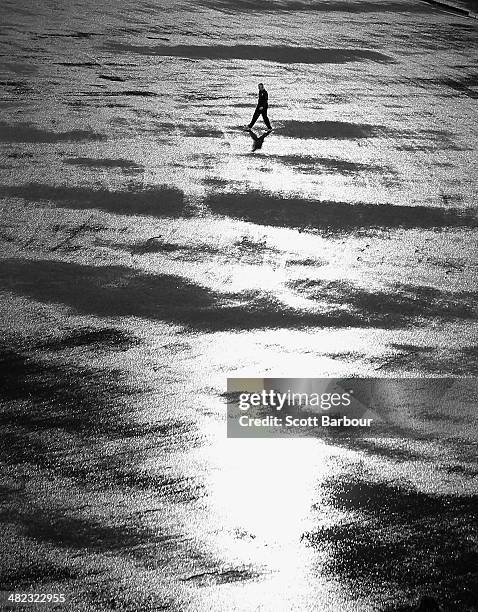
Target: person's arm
259, 101
263, 97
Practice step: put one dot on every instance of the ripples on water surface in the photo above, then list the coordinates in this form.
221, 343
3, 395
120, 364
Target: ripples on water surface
150, 248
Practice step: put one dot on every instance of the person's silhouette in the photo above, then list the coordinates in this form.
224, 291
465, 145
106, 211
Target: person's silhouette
261, 108
258, 140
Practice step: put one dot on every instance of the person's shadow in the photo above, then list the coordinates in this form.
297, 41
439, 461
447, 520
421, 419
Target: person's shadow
258, 140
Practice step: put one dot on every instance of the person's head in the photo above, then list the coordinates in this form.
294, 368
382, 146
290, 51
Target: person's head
261, 86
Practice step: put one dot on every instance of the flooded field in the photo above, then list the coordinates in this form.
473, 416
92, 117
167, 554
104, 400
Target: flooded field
151, 247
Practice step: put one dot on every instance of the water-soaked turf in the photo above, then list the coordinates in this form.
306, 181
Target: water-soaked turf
150, 247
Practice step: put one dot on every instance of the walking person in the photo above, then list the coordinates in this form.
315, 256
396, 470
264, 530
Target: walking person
261, 108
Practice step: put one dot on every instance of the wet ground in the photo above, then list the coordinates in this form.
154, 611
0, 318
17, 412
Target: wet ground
151, 248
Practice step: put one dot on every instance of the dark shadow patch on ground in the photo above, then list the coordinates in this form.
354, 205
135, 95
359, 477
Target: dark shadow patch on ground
108, 77
178, 488
80, 64
379, 498
427, 140
466, 85
308, 261
72, 399
89, 465
267, 209
106, 595
135, 93
102, 339
15, 575
470, 471
400, 302
461, 85
22, 447
114, 105
412, 539
120, 291
223, 576
162, 127
82, 35
309, 163
123, 292
157, 244
72, 532
15, 88
393, 453
329, 98
277, 54
24, 132
89, 162
327, 129
161, 201
266, 6
455, 362
348, 356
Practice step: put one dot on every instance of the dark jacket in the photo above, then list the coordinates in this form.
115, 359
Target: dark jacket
263, 99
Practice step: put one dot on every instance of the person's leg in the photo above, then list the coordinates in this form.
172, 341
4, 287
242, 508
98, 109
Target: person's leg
255, 117
266, 119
